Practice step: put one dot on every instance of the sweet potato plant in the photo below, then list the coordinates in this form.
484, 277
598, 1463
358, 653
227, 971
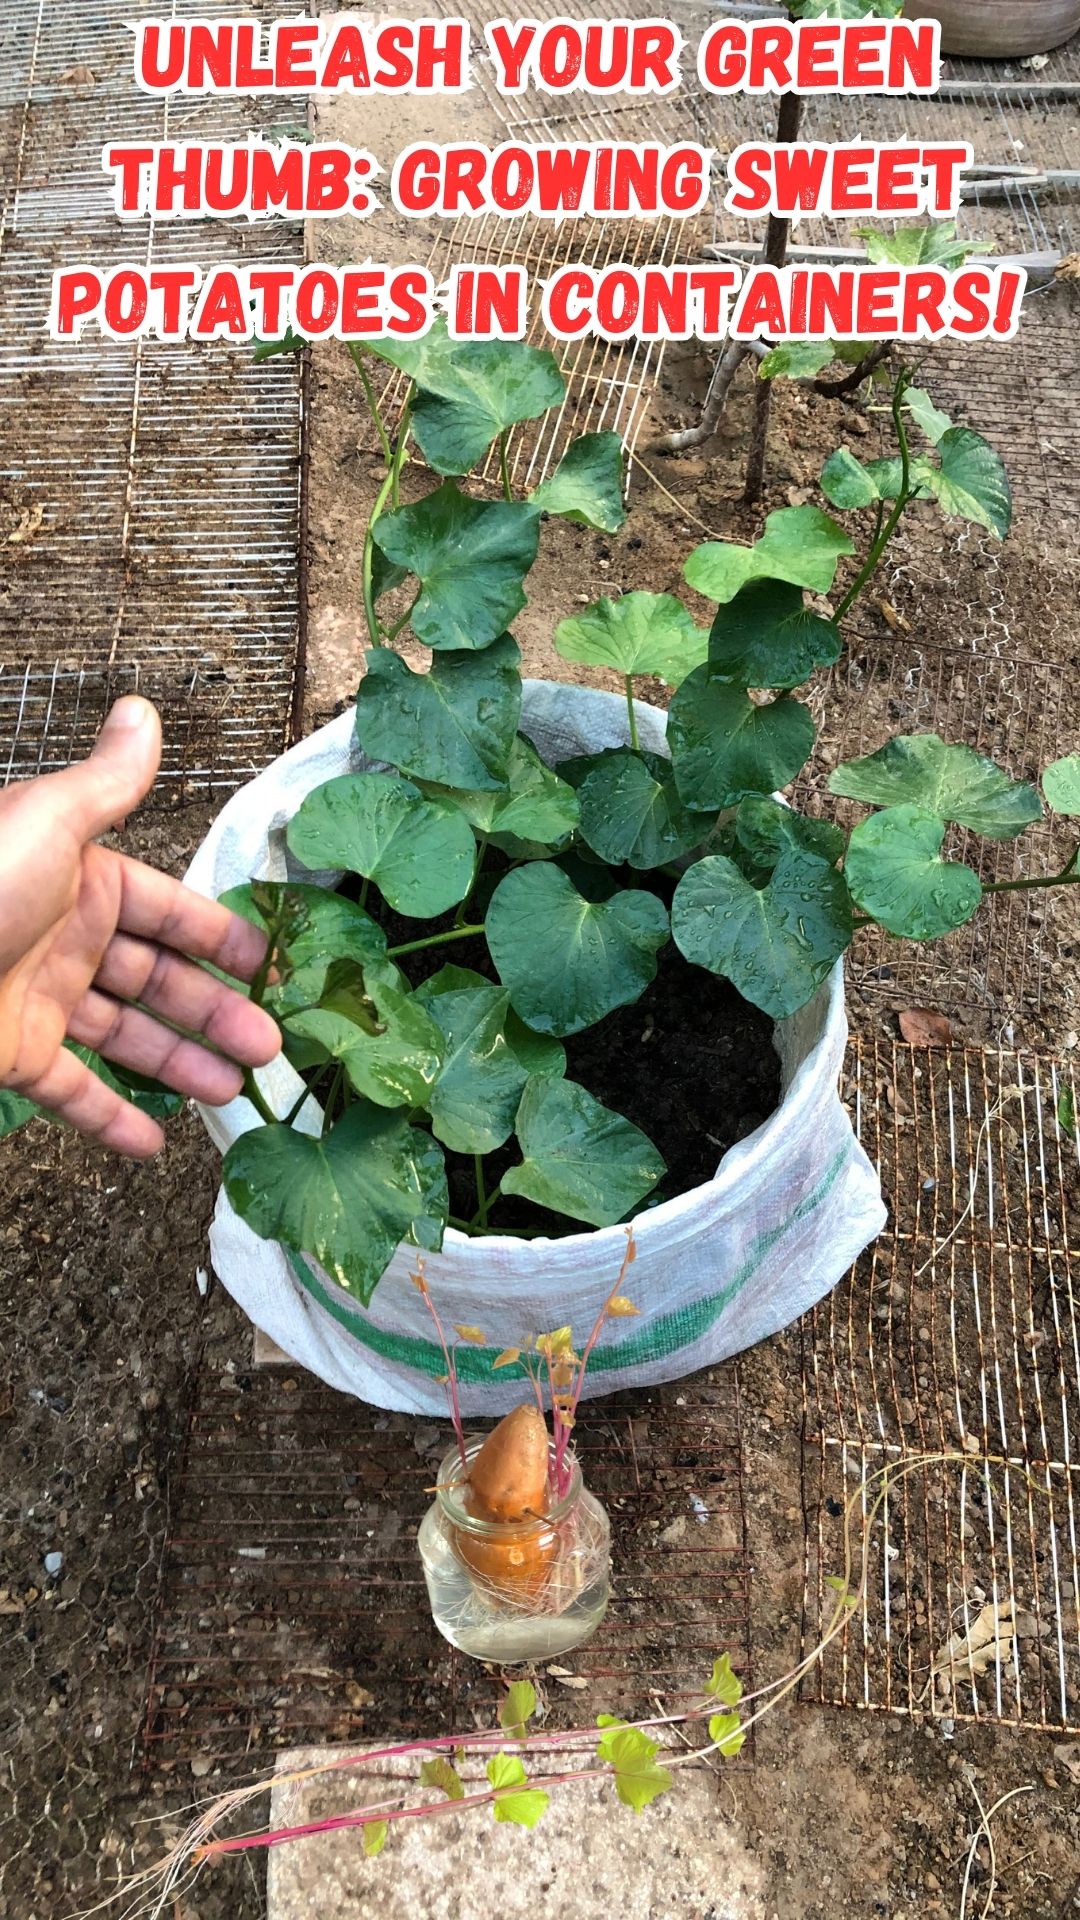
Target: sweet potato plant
558, 892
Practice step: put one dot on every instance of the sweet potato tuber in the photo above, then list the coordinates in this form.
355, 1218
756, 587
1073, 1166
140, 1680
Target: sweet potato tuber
509, 1476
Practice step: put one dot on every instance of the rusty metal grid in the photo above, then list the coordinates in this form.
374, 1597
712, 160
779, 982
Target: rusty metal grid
1014, 118
1010, 709
149, 494
958, 1333
293, 1606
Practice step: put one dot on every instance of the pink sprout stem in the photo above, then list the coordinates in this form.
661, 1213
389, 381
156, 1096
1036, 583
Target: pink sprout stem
451, 1376
563, 1429
427, 1810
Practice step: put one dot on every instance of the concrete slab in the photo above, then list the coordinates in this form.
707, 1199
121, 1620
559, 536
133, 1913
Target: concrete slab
266, 1352
590, 1857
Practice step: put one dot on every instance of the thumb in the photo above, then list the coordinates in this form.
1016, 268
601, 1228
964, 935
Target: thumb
120, 771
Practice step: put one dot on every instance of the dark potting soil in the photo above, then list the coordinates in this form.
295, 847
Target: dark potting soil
691, 1063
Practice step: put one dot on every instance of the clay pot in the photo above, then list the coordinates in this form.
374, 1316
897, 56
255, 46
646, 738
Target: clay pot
1000, 29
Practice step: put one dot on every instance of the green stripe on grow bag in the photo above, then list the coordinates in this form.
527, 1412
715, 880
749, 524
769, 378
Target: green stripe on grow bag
664, 1335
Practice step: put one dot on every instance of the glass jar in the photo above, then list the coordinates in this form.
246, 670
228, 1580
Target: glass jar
515, 1590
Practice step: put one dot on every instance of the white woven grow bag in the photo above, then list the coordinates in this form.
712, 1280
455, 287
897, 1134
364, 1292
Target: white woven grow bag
717, 1269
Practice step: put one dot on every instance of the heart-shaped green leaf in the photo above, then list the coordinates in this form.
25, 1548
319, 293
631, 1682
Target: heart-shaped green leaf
488, 1058
579, 1157
533, 806
896, 874
427, 358
848, 483
724, 746
517, 1709
384, 574
630, 811
587, 484
469, 391
1061, 785
148, 1095
954, 782
641, 633
515, 1800
768, 637
15, 1111
495, 384
797, 360
470, 557
455, 724
776, 945
348, 1199
325, 928
933, 422
970, 481
631, 1754
800, 545
419, 852
764, 828
569, 961
397, 1064
934, 244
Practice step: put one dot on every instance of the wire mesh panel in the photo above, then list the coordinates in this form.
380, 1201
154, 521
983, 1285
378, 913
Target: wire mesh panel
952, 1354
294, 1608
1010, 709
149, 493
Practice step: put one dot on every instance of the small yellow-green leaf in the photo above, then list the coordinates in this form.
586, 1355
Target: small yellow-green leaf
518, 1707
632, 1756
474, 1335
515, 1800
375, 1832
723, 1684
507, 1357
727, 1732
620, 1308
441, 1772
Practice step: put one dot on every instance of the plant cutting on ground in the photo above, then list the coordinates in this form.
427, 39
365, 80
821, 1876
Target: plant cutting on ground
639, 1760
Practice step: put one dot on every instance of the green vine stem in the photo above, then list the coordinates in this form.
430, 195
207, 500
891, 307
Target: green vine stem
254, 1094
634, 741
481, 1195
504, 466
435, 940
1068, 877
256, 994
870, 564
298, 1104
369, 394
479, 1221
389, 487
331, 1099
399, 625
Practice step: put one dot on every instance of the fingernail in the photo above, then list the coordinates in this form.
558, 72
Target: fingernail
131, 712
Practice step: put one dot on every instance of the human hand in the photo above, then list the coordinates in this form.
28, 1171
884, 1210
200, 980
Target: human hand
98, 948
